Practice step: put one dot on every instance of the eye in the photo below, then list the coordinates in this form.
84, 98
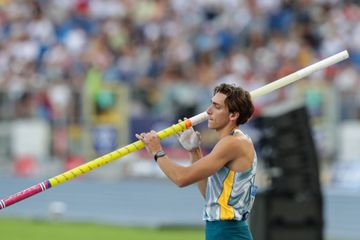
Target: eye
216, 106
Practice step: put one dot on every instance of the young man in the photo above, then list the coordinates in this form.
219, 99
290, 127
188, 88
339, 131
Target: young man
226, 175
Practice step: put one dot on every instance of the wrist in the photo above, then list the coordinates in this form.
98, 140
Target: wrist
159, 154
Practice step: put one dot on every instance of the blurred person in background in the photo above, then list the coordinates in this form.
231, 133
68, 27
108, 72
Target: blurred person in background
226, 176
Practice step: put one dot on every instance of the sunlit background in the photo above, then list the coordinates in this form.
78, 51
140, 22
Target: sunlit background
78, 79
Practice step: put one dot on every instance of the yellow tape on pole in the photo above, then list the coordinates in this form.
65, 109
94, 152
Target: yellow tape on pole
107, 158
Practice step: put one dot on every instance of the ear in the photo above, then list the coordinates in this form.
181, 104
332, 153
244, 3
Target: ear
233, 116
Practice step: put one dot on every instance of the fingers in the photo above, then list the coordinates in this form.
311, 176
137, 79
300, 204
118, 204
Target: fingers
146, 136
140, 136
151, 141
179, 121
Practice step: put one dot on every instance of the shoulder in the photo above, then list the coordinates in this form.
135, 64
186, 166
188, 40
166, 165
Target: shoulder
238, 146
232, 146
235, 141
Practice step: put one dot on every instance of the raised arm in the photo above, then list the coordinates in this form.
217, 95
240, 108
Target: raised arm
183, 176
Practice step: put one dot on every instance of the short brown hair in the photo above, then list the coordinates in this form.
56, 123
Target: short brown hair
237, 100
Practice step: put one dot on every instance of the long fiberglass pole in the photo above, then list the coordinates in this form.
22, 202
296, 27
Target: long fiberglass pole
98, 162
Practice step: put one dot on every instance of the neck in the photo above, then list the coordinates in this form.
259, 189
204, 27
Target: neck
226, 130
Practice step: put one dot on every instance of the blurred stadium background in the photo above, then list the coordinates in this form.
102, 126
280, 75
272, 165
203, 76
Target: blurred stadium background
78, 79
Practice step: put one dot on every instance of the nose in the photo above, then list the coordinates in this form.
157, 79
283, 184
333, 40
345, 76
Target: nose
208, 111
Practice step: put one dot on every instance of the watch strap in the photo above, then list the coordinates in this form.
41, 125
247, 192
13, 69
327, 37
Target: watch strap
159, 154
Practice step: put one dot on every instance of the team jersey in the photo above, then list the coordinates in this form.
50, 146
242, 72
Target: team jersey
229, 194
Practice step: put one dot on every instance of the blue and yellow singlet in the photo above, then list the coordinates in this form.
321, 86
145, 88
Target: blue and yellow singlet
229, 194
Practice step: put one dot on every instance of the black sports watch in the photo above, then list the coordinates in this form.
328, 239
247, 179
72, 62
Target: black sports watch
159, 154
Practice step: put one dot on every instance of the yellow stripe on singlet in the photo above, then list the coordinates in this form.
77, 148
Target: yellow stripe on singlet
226, 211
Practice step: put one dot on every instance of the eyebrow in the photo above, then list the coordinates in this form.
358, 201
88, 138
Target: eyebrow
215, 103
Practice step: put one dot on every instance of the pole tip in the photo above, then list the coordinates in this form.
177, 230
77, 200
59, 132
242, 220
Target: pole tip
345, 53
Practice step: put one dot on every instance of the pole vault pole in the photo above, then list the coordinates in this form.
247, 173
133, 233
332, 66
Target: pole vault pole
98, 162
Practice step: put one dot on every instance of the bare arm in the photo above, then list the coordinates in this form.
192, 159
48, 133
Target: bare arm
202, 168
194, 156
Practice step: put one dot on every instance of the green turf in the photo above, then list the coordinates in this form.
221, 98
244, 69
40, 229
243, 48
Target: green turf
22, 229
15, 229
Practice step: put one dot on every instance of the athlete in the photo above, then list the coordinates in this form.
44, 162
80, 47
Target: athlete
226, 176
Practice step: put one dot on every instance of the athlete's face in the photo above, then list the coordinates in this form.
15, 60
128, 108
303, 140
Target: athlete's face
218, 112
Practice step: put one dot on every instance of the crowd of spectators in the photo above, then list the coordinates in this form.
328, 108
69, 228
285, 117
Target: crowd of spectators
170, 53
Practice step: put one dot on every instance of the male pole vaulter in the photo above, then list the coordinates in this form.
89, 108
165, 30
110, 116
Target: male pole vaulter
226, 175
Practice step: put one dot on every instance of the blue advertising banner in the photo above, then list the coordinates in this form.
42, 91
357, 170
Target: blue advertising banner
104, 139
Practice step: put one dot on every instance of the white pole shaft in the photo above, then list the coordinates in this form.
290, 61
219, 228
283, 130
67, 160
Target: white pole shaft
285, 80
300, 74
